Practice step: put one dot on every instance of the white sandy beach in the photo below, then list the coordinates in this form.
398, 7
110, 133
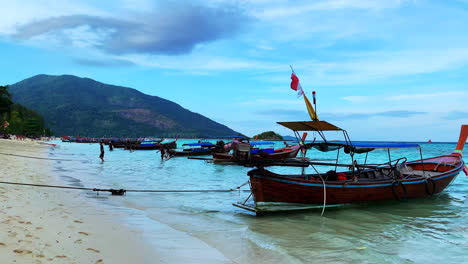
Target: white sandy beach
43, 225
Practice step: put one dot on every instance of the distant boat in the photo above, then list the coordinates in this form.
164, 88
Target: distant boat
79, 139
151, 145
246, 152
195, 149
429, 141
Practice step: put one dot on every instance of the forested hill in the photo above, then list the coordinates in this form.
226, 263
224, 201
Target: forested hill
75, 106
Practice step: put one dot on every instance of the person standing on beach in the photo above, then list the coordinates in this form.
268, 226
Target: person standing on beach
111, 146
163, 151
102, 151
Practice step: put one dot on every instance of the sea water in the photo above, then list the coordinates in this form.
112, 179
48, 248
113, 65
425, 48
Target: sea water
430, 230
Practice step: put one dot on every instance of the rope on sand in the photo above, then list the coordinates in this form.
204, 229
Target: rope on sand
119, 191
30, 157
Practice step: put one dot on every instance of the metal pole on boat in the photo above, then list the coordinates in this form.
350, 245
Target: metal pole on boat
351, 153
314, 102
422, 162
337, 158
390, 163
299, 141
389, 157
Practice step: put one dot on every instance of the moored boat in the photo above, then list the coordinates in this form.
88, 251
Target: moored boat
245, 153
194, 149
151, 145
79, 139
393, 180
329, 185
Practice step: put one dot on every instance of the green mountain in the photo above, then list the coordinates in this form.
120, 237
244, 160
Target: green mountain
76, 106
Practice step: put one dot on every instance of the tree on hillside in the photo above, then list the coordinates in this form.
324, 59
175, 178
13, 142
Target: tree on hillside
269, 135
5, 102
24, 121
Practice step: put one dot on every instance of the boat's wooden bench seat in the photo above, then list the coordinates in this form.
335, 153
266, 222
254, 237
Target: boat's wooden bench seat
402, 172
408, 171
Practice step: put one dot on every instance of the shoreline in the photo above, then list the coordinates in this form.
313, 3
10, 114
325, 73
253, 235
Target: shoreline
43, 225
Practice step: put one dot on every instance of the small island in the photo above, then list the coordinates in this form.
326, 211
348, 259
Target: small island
268, 135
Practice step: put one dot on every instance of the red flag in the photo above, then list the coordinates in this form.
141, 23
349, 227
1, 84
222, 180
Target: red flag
295, 85
294, 81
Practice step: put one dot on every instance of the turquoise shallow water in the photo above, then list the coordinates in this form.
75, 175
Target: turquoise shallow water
432, 230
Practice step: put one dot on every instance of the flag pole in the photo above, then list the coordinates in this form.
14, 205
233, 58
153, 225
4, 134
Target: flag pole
314, 101
310, 108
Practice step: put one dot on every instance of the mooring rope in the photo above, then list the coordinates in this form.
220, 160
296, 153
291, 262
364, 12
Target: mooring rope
35, 151
119, 191
30, 157
324, 191
112, 191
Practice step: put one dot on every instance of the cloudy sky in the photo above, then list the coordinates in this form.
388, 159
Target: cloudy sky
383, 70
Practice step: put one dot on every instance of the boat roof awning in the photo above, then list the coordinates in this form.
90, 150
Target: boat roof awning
377, 144
253, 143
199, 144
363, 144
310, 126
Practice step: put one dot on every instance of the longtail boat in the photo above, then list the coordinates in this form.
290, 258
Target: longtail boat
79, 139
194, 149
151, 145
336, 184
122, 143
393, 180
143, 146
245, 153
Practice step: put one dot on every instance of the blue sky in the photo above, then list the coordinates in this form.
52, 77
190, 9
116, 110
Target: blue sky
383, 70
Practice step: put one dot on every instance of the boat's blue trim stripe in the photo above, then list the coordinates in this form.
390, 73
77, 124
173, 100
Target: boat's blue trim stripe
350, 186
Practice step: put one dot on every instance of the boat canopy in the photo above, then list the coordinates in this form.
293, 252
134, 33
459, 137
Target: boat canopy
378, 144
359, 147
146, 144
199, 144
310, 126
254, 143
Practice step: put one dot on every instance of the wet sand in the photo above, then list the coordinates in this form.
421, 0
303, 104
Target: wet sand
42, 225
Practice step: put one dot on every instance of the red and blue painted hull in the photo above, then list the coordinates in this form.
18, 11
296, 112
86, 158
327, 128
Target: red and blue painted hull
268, 187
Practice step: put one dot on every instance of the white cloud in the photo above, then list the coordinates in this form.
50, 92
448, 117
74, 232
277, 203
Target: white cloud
356, 99
436, 95
437, 105
368, 67
199, 62
407, 97
292, 9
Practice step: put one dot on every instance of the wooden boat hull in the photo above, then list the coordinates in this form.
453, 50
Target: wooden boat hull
142, 147
268, 187
169, 145
123, 144
190, 153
